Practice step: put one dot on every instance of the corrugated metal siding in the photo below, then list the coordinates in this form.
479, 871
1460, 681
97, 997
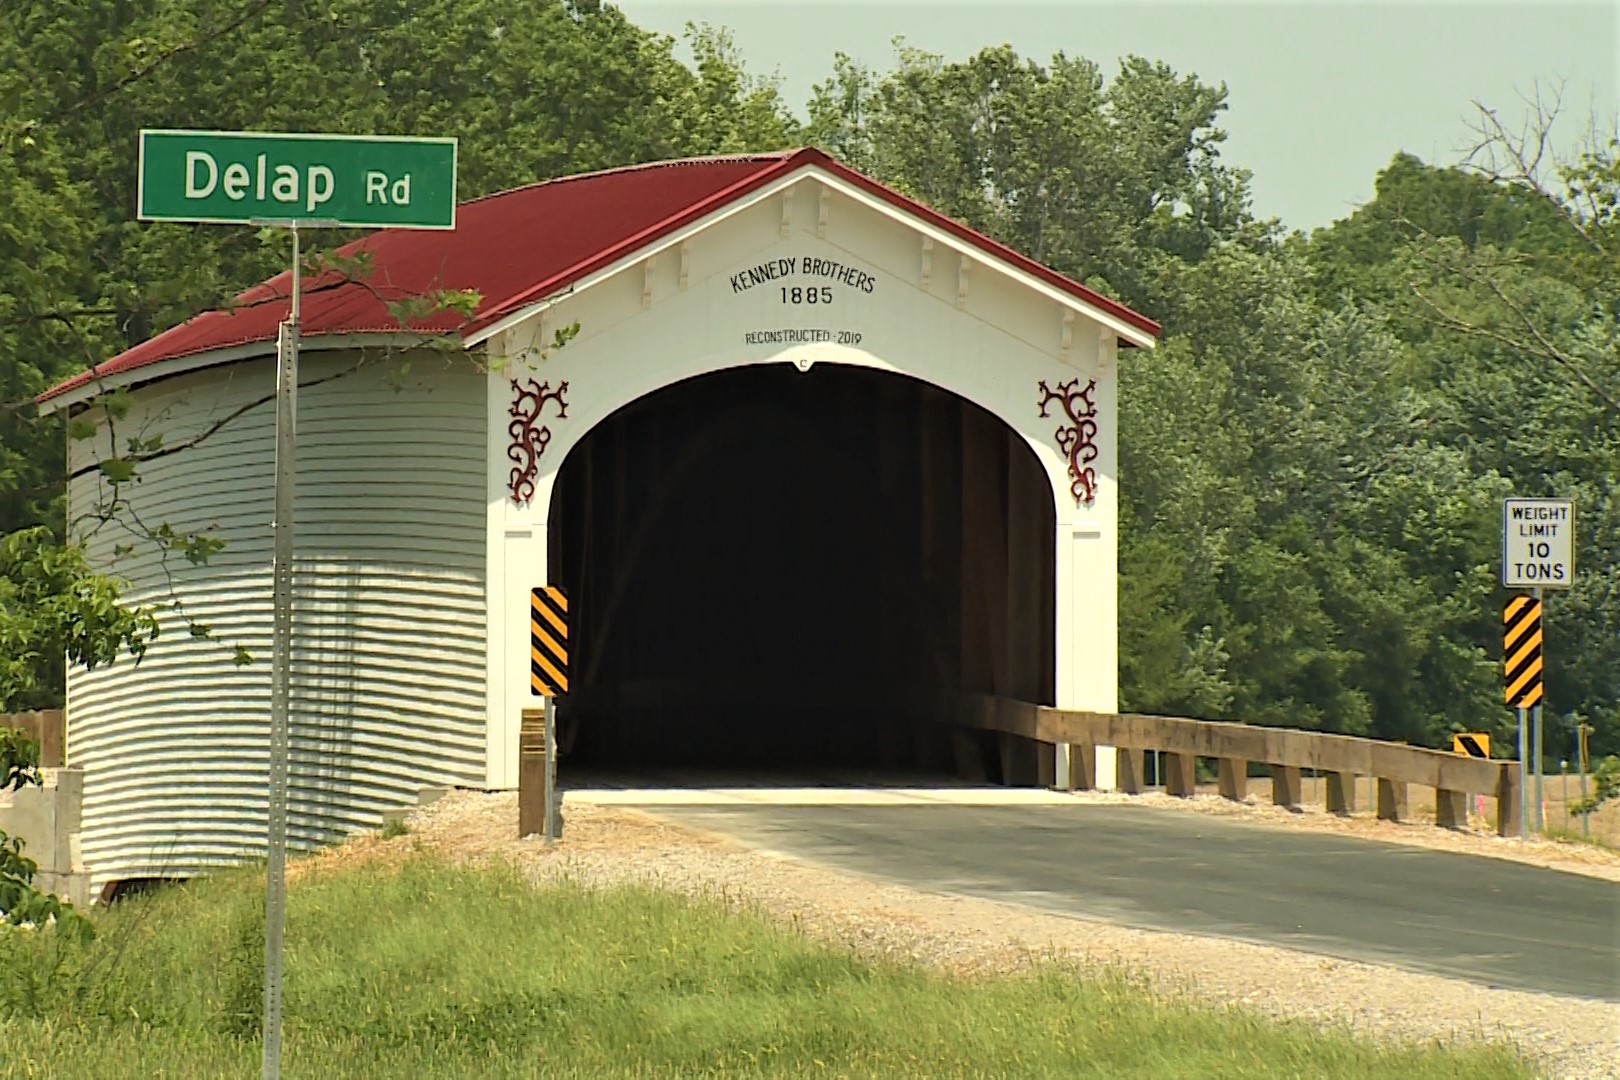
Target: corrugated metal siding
388, 685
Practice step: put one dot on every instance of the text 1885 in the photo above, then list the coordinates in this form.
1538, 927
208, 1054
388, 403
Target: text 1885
812, 295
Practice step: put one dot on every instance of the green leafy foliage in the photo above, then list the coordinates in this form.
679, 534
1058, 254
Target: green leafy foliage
1499, 286
53, 607
532, 90
1312, 460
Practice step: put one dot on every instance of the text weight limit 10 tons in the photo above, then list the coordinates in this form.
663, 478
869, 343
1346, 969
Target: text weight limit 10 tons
1538, 543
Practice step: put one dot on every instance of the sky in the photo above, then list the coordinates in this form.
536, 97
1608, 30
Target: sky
1322, 94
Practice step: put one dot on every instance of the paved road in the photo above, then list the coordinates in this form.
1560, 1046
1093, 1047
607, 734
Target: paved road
1494, 922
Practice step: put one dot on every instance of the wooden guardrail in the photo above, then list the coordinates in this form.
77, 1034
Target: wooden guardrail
48, 728
1342, 758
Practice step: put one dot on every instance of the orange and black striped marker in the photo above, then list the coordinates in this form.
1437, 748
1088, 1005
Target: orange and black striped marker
1473, 743
548, 642
1521, 652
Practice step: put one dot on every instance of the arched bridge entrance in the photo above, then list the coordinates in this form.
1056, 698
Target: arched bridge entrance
773, 567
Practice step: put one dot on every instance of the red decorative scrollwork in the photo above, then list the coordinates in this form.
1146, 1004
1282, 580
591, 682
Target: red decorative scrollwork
1077, 438
530, 437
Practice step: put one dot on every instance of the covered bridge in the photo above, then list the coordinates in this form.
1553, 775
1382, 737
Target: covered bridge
819, 465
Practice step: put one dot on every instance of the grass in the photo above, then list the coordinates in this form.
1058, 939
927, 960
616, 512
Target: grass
432, 970
1574, 835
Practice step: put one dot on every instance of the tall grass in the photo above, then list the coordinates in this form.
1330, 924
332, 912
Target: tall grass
428, 970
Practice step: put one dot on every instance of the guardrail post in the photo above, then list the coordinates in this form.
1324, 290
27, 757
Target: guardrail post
1507, 799
1285, 786
1450, 809
1129, 771
1082, 767
1181, 774
1234, 778
1341, 793
1391, 799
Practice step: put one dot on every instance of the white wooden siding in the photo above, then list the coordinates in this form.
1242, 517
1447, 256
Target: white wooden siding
388, 686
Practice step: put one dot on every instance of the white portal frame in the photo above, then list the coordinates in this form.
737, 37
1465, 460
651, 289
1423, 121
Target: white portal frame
945, 312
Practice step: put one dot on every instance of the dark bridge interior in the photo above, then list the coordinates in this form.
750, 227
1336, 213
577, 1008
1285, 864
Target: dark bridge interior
771, 568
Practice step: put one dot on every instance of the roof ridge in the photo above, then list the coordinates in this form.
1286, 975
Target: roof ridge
668, 163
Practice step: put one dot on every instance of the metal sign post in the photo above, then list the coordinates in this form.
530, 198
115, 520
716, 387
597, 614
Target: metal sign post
551, 770
1581, 730
1524, 783
275, 891
281, 578
1535, 728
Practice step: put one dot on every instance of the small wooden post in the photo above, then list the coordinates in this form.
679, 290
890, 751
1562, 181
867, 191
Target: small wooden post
532, 793
1450, 809
1341, 793
1391, 799
1129, 771
1082, 767
1285, 786
1507, 799
1234, 778
1180, 774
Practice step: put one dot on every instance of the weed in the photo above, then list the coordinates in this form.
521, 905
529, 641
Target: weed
424, 969
1575, 836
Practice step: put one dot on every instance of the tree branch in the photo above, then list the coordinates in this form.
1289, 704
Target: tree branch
1515, 159
1541, 344
231, 417
61, 315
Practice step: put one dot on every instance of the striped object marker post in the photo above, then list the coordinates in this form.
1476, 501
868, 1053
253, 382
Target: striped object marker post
548, 678
1521, 674
548, 641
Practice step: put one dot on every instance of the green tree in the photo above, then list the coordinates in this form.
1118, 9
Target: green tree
1499, 275
532, 90
1108, 180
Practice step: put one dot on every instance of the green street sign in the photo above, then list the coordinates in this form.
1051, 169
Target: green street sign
241, 177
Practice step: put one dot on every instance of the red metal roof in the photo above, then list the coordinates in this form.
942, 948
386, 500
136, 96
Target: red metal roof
523, 245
